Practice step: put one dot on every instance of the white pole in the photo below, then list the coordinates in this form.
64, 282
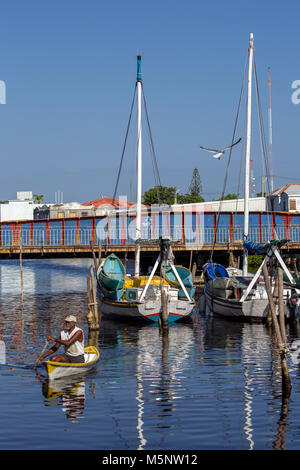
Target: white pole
139, 168
247, 160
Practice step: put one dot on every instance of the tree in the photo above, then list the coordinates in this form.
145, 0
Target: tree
166, 195
195, 188
37, 199
228, 196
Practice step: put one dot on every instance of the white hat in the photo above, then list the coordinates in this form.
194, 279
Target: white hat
71, 318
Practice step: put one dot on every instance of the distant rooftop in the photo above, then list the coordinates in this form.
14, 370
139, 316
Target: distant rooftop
291, 188
108, 202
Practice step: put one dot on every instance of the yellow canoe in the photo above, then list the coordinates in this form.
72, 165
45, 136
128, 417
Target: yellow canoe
56, 370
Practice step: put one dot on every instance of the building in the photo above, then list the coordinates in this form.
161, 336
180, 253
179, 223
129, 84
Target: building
98, 207
64, 211
21, 208
104, 205
233, 205
285, 199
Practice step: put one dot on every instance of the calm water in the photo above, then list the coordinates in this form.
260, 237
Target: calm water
209, 385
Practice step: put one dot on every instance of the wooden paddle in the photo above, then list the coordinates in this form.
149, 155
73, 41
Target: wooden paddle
44, 348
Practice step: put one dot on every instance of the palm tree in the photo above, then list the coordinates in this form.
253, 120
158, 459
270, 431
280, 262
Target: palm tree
37, 199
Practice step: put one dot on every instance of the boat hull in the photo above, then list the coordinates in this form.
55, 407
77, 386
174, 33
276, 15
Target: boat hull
251, 310
57, 370
112, 273
184, 274
149, 311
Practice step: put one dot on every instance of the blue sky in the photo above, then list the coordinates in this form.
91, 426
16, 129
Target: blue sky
70, 69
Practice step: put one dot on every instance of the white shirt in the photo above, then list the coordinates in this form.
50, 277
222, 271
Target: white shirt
76, 348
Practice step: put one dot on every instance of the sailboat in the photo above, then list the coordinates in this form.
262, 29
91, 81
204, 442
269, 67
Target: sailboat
241, 295
141, 297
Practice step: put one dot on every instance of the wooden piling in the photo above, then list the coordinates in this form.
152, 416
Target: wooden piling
93, 337
275, 300
194, 271
99, 253
92, 316
272, 306
191, 259
164, 308
94, 255
286, 382
281, 304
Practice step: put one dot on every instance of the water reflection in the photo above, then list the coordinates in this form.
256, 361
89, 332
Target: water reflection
54, 275
2, 352
210, 382
69, 394
162, 357
261, 366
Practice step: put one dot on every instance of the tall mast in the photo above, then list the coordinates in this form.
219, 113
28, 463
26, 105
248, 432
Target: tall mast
139, 167
247, 159
270, 132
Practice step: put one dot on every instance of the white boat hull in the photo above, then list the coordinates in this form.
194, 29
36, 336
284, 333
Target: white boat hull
58, 370
149, 310
251, 309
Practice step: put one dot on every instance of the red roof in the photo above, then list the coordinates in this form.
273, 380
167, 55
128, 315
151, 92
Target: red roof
109, 202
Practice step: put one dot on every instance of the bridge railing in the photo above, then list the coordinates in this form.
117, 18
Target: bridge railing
200, 236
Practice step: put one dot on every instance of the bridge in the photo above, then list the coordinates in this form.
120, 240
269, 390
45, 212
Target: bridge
191, 235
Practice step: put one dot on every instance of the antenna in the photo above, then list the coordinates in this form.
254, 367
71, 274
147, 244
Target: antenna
58, 197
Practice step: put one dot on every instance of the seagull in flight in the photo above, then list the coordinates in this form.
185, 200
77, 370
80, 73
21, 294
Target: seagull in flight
219, 153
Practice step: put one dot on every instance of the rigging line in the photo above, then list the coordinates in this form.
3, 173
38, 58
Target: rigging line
153, 156
229, 159
124, 146
133, 163
151, 139
240, 171
263, 147
262, 135
154, 165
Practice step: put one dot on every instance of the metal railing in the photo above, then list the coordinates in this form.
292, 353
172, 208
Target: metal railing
203, 235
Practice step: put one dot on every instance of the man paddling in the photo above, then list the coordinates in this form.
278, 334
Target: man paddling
71, 337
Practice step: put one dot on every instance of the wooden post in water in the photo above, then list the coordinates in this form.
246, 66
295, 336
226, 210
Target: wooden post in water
191, 259
94, 255
280, 303
286, 382
272, 306
194, 271
275, 299
164, 307
99, 253
92, 316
